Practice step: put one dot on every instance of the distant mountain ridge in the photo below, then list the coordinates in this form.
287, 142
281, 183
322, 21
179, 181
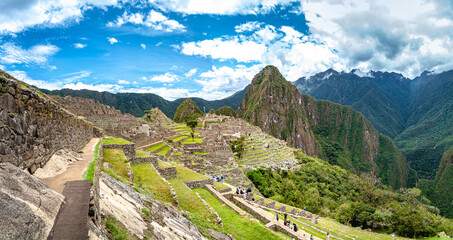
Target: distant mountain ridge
333, 132
137, 103
415, 113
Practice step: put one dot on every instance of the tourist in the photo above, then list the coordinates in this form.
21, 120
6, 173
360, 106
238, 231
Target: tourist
295, 227
311, 237
276, 217
221, 178
237, 191
286, 216
328, 236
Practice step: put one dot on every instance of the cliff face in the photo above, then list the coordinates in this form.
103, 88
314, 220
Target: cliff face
33, 127
330, 131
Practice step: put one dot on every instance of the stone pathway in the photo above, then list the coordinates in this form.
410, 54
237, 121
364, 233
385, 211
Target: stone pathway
225, 201
71, 221
74, 171
301, 234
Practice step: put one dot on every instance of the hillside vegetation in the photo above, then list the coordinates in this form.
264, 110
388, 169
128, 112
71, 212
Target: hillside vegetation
333, 132
187, 111
359, 201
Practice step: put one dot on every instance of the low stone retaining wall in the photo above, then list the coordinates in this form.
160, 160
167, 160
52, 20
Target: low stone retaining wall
286, 231
168, 173
225, 190
152, 160
250, 210
199, 183
96, 188
128, 149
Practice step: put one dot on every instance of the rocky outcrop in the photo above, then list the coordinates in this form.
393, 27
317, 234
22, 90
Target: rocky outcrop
57, 164
330, 131
28, 207
128, 207
33, 127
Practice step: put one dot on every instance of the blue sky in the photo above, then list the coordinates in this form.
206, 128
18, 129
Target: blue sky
213, 48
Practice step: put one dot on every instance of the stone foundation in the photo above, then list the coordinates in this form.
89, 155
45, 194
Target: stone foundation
168, 173
199, 183
128, 149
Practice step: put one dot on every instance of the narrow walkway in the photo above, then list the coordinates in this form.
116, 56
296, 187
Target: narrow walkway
149, 145
225, 201
71, 221
301, 234
75, 170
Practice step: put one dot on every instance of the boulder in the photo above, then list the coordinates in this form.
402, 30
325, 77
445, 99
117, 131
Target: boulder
28, 207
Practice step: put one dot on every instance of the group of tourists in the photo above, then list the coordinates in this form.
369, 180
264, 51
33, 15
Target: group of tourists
217, 178
287, 222
248, 195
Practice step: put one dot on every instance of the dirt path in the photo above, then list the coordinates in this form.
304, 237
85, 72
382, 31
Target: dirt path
75, 170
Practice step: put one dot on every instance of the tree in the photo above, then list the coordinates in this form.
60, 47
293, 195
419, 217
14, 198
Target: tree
192, 124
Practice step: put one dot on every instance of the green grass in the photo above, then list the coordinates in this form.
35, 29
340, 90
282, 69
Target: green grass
115, 230
163, 164
177, 139
164, 151
194, 140
187, 175
89, 173
198, 213
141, 153
241, 227
201, 153
117, 159
220, 186
155, 147
109, 141
147, 178
176, 153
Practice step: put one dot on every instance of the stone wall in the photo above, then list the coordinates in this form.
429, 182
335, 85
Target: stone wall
250, 210
128, 149
285, 230
152, 160
168, 172
199, 183
33, 127
96, 189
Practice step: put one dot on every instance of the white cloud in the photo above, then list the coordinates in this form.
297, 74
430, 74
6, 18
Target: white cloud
292, 52
75, 76
112, 40
38, 54
153, 19
163, 78
248, 27
143, 46
407, 36
79, 45
221, 7
17, 16
21, 75
220, 48
98, 87
123, 82
191, 72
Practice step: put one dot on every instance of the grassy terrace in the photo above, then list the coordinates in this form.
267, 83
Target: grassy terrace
241, 227
147, 178
187, 175
194, 140
155, 147
220, 186
201, 153
141, 153
110, 140
198, 213
177, 139
117, 159
163, 164
164, 151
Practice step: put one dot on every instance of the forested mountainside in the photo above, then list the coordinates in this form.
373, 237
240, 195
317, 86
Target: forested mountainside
416, 113
137, 103
331, 131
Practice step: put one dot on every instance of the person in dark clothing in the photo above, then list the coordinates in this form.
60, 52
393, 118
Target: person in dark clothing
249, 190
276, 217
286, 217
295, 227
242, 192
237, 190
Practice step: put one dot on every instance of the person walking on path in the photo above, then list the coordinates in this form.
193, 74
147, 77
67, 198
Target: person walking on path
276, 217
328, 236
311, 237
286, 217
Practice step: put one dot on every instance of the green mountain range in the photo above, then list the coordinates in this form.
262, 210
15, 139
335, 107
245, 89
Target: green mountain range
417, 114
137, 103
330, 131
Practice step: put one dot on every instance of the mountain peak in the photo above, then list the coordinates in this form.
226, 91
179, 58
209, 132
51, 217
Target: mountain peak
270, 74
